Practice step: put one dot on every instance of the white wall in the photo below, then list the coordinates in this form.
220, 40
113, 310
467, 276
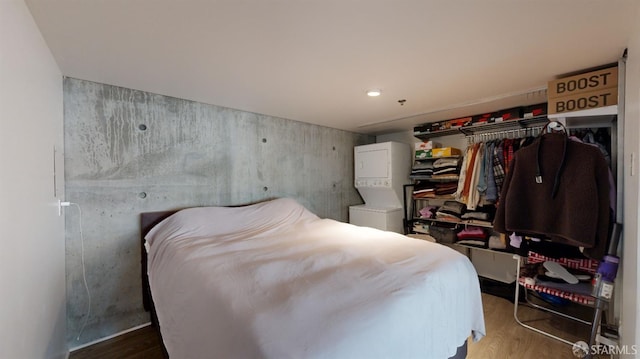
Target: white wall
32, 277
630, 317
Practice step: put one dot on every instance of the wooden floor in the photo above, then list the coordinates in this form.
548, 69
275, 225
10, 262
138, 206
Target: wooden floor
143, 343
505, 338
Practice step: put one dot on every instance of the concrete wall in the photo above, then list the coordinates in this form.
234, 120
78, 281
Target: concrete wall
128, 152
32, 269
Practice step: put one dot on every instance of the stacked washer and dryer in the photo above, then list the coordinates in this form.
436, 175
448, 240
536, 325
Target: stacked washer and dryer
381, 171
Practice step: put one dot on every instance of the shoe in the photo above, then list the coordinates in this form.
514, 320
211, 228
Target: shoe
559, 271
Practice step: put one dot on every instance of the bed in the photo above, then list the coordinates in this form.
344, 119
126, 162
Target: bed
273, 280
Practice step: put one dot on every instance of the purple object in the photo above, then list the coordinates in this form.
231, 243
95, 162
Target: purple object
428, 212
608, 268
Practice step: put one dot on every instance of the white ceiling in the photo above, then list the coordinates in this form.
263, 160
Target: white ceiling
313, 60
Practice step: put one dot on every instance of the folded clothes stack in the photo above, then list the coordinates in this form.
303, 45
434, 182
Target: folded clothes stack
482, 215
446, 188
422, 169
473, 236
424, 189
446, 168
451, 210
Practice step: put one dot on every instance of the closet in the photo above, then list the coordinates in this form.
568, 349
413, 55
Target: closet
600, 127
471, 233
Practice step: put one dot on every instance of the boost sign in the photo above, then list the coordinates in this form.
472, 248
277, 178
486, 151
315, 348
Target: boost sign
583, 101
584, 91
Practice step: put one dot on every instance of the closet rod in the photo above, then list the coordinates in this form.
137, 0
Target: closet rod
497, 135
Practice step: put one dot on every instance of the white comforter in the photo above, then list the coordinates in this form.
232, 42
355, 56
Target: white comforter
273, 280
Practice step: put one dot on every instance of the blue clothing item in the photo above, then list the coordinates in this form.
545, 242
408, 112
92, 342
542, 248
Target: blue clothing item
498, 165
492, 190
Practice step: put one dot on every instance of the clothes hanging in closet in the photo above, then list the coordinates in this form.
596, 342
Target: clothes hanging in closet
612, 181
483, 170
599, 138
558, 189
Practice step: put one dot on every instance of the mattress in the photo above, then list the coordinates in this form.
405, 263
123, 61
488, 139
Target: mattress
273, 280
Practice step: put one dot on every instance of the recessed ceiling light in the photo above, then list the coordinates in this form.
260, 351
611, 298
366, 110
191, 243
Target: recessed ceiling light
374, 92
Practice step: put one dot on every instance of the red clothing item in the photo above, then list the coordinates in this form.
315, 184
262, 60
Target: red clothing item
472, 232
507, 151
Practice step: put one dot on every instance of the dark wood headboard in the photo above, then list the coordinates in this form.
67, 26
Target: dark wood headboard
147, 221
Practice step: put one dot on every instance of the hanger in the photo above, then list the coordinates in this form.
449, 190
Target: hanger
554, 126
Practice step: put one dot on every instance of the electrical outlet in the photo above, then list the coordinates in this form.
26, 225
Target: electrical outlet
62, 204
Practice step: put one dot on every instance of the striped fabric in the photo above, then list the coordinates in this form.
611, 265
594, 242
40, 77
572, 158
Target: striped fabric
574, 297
587, 265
